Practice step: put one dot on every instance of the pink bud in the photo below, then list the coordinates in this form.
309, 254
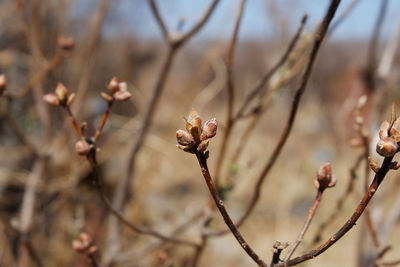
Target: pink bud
82, 148
51, 99
122, 95
78, 246
184, 138
66, 43
387, 147
113, 85
209, 129
86, 239
61, 92
325, 178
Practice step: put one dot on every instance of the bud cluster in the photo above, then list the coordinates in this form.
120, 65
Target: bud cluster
66, 43
196, 136
118, 91
60, 96
389, 137
325, 178
84, 244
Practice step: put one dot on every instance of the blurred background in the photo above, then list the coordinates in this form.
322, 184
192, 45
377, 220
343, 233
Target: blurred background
44, 206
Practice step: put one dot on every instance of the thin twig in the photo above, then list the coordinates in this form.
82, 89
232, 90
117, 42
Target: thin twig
230, 92
264, 80
202, 159
379, 177
340, 201
123, 185
370, 71
310, 216
318, 38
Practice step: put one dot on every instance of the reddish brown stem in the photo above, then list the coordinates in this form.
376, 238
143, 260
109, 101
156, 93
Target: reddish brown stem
340, 202
379, 176
103, 121
310, 216
202, 159
74, 121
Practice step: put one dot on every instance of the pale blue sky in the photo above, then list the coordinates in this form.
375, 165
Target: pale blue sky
134, 16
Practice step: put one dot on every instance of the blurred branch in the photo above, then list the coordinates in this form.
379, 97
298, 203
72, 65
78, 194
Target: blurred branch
264, 80
372, 61
230, 91
350, 7
318, 38
123, 185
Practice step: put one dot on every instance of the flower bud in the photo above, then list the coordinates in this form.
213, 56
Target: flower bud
3, 83
193, 125
209, 129
78, 246
113, 85
386, 147
51, 99
86, 239
325, 178
70, 99
66, 43
82, 148
383, 130
184, 138
122, 95
61, 92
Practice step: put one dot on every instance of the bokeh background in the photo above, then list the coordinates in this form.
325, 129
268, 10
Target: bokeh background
122, 38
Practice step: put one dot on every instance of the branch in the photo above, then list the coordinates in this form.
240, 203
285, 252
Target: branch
318, 38
263, 81
311, 214
230, 90
202, 159
379, 176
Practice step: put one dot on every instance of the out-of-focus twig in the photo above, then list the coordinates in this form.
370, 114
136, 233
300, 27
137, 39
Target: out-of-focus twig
318, 38
174, 43
230, 90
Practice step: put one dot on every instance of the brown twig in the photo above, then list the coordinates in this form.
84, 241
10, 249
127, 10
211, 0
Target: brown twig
264, 80
340, 201
38, 77
123, 186
318, 38
230, 91
202, 159
103, 121
379, 177
310, 216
